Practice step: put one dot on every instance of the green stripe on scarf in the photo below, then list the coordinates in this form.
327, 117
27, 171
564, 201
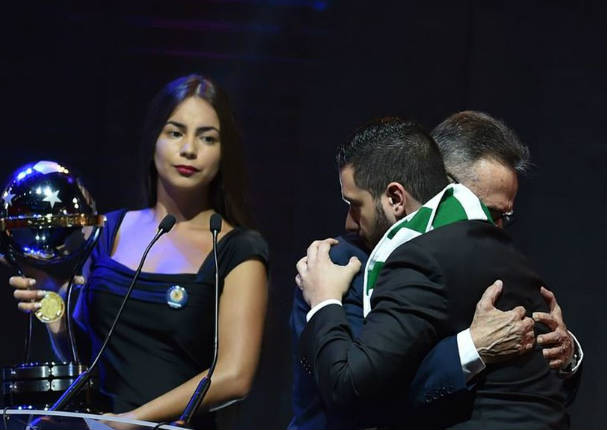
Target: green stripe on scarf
374, 273
449, 211
487, 213
454, 203
417, 223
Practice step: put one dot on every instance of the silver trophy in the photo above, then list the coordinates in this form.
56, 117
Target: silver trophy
48, 220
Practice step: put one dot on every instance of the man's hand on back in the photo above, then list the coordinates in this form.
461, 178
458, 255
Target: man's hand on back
499, 335
319, 278
559, 340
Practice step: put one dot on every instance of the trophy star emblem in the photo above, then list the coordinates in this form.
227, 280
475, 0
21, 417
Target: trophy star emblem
8, 198
52, 197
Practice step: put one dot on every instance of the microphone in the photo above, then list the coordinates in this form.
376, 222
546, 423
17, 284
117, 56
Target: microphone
205, 382
215, 223
165, 225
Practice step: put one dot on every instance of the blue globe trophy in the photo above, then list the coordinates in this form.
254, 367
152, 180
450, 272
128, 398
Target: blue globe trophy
48, 220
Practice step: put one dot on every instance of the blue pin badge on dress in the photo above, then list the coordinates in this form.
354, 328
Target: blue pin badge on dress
177, 297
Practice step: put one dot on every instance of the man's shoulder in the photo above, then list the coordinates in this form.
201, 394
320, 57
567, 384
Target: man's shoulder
454, 244
463, 233
349, 245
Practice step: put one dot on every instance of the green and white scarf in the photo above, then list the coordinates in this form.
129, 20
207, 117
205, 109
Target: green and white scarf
454, 203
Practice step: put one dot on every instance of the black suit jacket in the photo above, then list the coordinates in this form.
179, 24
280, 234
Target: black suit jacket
427, 290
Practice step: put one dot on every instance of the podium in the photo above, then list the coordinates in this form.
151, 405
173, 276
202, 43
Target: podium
23, 419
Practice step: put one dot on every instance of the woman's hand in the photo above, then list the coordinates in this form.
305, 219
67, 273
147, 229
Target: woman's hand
28, 299
29, 291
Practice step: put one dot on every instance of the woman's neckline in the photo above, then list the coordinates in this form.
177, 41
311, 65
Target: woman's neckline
152, 274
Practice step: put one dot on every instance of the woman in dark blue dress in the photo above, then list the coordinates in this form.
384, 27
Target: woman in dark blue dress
163, 344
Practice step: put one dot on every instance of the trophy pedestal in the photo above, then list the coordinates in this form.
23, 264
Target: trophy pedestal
38, 385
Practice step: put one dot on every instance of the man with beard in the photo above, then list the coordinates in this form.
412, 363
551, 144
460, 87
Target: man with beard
467, 140
386, 171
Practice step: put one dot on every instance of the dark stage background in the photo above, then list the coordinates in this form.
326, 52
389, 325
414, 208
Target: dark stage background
302, 74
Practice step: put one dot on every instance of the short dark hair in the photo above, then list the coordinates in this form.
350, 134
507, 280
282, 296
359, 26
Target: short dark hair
227, 190
468, 136
392, 149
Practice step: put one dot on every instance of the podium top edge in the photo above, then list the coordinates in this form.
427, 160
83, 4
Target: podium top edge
37, 412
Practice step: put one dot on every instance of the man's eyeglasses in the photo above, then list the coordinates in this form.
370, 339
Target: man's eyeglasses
506, 217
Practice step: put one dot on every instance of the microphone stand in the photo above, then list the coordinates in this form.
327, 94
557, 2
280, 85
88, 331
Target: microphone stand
85, 376
70, 288
205, 382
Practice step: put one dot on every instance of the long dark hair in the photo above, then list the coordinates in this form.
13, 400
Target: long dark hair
227, 190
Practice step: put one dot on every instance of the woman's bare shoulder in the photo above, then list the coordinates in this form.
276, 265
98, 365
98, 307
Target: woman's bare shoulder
226, 227
133, 225
137, 217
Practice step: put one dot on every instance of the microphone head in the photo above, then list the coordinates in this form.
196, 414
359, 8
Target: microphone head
215, 223
167, 223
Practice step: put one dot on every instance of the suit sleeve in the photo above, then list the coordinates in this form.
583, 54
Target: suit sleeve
439, 375
409, 311
308, 412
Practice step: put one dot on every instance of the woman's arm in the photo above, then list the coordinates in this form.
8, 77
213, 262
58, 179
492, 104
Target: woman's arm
242, 311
